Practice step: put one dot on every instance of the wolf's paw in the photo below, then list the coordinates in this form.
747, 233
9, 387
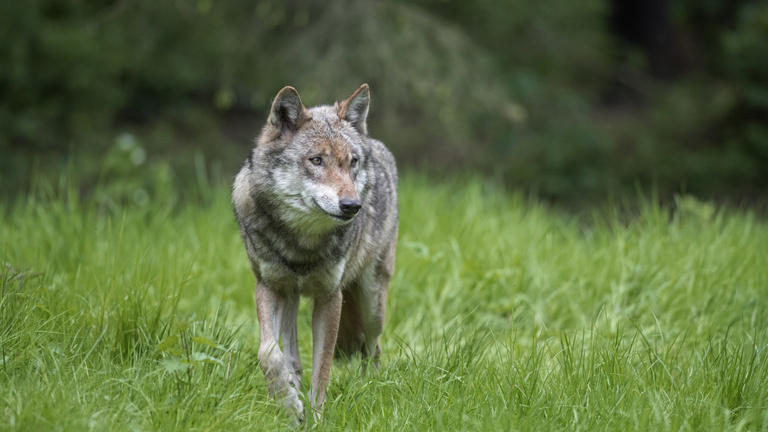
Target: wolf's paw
292, 405
317, 414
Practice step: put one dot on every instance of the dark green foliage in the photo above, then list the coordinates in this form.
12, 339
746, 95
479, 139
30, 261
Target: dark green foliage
546, 95
744, 49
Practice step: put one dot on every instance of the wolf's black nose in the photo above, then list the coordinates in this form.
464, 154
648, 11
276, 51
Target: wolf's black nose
349, 207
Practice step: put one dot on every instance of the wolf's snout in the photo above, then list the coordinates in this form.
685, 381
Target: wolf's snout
349, 207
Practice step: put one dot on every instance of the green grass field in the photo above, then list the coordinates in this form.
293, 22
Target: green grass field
504, 314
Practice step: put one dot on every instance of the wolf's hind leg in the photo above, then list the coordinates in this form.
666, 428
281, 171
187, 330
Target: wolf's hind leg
373, 322
362, 316
350, 338
277, 316
373, 305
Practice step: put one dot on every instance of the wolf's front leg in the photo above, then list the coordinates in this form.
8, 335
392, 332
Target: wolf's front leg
289, 340
325, 327
275, 315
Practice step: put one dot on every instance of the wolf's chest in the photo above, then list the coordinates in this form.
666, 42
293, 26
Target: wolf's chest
318, 282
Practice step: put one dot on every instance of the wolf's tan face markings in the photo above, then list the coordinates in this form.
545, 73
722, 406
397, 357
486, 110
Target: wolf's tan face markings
333, 162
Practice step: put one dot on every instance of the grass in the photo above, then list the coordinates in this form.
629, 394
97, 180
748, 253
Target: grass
504, 314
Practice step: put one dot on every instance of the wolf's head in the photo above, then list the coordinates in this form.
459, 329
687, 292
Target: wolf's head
314, 159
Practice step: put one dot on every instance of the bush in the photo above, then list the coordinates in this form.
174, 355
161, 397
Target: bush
516, 91
747, 128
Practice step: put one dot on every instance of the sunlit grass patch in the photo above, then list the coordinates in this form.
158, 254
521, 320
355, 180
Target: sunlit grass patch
503, 314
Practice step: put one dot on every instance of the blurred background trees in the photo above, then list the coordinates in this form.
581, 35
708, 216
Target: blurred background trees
574, 101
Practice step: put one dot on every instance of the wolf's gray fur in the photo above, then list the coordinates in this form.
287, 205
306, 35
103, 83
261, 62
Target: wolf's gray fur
295, 200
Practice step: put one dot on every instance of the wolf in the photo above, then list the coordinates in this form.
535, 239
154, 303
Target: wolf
316, 202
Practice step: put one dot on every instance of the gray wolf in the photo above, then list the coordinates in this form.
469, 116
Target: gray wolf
316, 201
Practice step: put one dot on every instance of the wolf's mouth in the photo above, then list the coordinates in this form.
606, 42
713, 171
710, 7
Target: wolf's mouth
340, 217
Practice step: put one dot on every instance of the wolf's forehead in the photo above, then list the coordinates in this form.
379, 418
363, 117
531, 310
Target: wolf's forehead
335, 146
328, 131
326, 120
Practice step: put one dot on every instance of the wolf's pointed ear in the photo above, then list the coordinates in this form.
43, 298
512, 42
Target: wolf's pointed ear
355, 108
287, 110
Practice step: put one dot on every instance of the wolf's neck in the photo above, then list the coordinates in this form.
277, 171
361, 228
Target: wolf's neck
310, 230
307, 231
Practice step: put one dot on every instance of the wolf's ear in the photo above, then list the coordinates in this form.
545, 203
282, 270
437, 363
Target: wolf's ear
287, 110
355, 108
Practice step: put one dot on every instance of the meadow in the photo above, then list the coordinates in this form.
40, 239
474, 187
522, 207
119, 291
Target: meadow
504, 314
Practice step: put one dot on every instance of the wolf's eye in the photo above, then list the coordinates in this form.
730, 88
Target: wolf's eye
317, 160
354, 162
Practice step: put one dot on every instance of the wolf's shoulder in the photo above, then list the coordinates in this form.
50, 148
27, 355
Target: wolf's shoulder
381, 153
